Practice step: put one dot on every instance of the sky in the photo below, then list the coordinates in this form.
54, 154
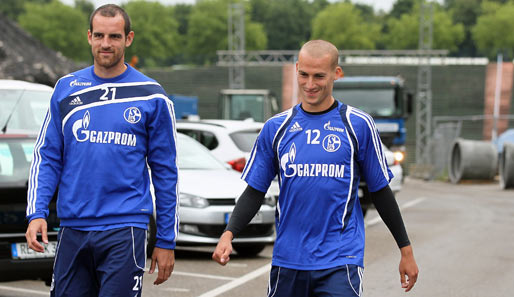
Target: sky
377, 5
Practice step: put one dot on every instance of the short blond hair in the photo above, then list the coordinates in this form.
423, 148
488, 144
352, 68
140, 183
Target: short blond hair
319, 48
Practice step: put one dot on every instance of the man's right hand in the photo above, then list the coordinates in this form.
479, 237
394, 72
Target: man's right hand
224, 248
36, 226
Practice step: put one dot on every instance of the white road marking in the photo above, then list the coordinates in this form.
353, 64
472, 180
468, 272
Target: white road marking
176, 290
203, 275
200, 275
409, 204
237, 282
239, 265
28, 291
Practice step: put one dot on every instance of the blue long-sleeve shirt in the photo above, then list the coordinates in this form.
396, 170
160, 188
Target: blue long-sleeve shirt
97, 141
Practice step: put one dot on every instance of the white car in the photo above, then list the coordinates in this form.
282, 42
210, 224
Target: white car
23, 106
209, 189
230, 141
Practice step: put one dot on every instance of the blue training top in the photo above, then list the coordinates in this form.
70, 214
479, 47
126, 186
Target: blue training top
97, 140
319, 159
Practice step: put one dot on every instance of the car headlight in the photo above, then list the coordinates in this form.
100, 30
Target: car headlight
189, 200
270, 200
399, 156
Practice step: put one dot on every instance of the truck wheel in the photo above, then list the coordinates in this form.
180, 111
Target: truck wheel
249, 250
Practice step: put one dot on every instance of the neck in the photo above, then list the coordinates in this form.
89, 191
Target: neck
326, 104
109, 72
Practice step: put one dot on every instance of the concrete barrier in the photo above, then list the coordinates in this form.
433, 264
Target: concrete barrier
507, 166
471, 159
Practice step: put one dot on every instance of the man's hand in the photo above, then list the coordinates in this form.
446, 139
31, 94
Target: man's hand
165, 260
36, 226
408, 267
224, 248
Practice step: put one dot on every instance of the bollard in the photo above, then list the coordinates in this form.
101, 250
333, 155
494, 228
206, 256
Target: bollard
507, 166
471, 159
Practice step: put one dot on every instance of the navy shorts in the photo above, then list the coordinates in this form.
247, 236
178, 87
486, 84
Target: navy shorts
99, 263
342, 281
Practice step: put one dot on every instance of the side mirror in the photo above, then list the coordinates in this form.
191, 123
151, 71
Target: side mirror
410, 104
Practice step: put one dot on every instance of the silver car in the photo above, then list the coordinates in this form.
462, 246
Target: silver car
208, 192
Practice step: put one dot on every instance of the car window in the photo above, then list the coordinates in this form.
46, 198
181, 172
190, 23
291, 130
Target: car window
208, 139
244, 140
15, 158
23, 109
193, 155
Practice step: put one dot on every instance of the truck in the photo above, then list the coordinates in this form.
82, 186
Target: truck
242, 104
386, 99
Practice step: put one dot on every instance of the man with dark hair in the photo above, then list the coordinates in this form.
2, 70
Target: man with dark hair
319, 149
105, 126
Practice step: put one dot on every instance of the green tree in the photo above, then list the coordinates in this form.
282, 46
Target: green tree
207, 31
58, 26
493, 31
403, 33
343, 25
156, 35
401, 7
86, 6
287, 22
13, 8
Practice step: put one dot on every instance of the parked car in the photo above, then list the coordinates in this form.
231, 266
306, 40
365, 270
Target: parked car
23, 107
208, 193
395, 184
229, 140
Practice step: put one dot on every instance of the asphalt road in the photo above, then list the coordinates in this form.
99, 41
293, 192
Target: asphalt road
462, 237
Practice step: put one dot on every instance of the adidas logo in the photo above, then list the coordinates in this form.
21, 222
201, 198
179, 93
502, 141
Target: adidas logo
76, 101
295, 128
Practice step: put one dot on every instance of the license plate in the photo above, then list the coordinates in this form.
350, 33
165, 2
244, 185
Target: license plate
21, 250
257, 219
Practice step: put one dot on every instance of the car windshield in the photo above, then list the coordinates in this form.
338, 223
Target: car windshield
23, 109
192, 155
376, 102
244, 140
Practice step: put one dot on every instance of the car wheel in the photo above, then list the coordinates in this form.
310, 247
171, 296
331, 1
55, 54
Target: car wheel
249, 250
152, 232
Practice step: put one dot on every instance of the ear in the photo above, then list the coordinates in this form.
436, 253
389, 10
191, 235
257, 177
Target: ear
89, 37
339, 72
129, 39
296, 66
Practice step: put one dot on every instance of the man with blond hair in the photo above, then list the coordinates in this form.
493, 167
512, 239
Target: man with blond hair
319, 149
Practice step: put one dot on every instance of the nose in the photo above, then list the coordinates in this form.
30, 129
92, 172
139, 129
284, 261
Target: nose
105, 42
310, 82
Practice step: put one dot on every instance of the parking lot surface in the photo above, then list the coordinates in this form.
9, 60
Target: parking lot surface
461, 234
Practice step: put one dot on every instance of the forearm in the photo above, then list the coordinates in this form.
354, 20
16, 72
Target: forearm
246, 207
389, 211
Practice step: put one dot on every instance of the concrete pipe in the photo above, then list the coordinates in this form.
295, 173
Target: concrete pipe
471, 159
507, 166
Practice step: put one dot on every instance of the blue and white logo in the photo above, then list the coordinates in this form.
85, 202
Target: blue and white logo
331, 143
82, 125
132, 115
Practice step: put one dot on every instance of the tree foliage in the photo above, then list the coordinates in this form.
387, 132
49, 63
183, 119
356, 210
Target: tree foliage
208, 30
343, 25
287, 23
403, 33
155, 32
493, 30
58, 26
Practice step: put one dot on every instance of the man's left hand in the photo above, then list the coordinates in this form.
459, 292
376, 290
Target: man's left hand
165, 260
409, 268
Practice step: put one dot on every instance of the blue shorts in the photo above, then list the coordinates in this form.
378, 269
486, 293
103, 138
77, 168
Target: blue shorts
99, 263
342, 281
